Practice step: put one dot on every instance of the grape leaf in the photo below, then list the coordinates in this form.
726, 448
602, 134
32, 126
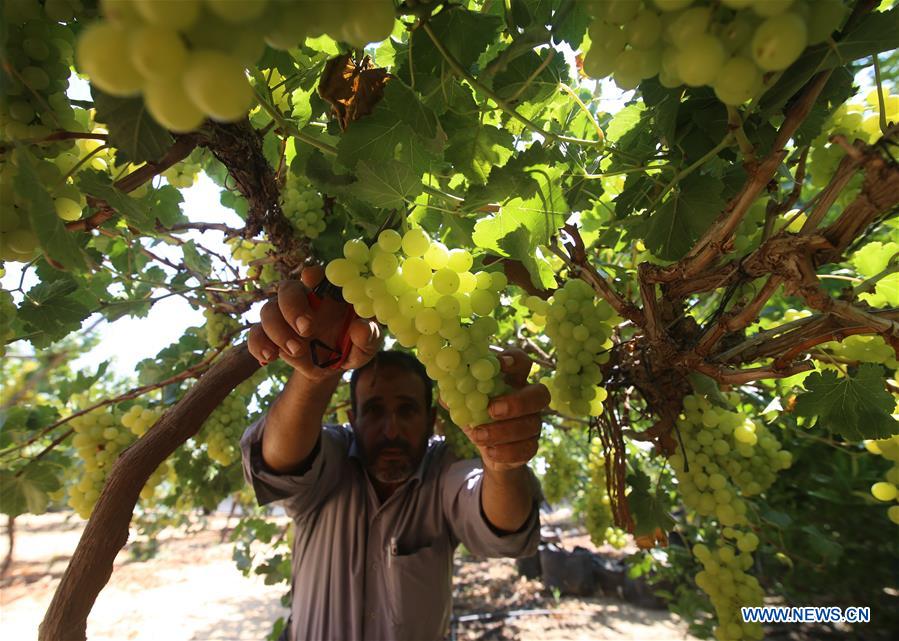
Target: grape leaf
165, 203
856, 407
519, 245
475, 150
685, 214
56, 241
886, 292
464, 34
623, 121
871, 259
27, 493
648, 509
133, 132
541, 214
531, 77
100, 186
194, 259
388, 185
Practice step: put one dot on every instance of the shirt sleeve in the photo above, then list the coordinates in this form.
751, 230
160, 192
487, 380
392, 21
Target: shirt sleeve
461, 493
305, 489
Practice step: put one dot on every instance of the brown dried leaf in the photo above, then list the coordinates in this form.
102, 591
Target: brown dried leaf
352, 89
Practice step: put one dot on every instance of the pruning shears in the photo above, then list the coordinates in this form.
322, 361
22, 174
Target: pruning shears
334, 316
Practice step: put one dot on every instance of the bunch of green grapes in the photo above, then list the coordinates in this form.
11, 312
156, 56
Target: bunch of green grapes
580, 328
219, 327
865, 349
139, 418
35, 72
188, 58
886, 490
183, 174
594, 503
303, 206
429, 299
724, 578
252, 253
729, 456
7, 317
562, 476
99, 438
727, 45
460, 445
222, 430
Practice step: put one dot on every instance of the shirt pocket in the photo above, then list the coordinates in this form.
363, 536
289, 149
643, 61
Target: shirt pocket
419, 590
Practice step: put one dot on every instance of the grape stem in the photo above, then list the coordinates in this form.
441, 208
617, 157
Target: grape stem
880, 101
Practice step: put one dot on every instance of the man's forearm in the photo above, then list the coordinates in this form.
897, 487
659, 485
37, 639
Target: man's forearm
294, 422
507, 498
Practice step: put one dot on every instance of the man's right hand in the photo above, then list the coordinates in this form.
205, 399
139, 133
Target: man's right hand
289, 324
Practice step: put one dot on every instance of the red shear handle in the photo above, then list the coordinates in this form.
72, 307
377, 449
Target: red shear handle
324, 355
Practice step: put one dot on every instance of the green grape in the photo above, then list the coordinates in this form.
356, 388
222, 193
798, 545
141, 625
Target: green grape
884, 491
415, 242
176, 15
738, 81
390, 241
778, 41
170, 106
216, 83
700, 63
416, 272
158, 53
460, 260
826, 18
644, 30
99, 55
222, 430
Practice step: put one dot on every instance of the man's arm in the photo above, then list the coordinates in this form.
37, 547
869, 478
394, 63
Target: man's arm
294, 422
506, 445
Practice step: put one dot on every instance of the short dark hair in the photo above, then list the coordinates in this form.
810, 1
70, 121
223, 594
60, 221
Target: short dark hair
400, 360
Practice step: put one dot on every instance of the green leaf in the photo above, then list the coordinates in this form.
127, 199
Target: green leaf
475, 150
100, 186
623, 121
133, 132
389, 185
165, 203
27, 493
393, 131
837, 91
464, 34
649, 509
530, 77
542, 214
886, 292
873, 258
56, 241
685, 214
520, 246
194, 259
856, 407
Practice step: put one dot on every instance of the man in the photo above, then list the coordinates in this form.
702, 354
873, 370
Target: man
380, 507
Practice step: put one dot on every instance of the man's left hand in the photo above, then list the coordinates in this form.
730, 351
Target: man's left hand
511, 440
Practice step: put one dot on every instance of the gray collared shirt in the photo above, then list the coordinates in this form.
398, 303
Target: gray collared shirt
363, 569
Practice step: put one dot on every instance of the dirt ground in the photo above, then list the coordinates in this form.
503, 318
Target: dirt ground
192, 591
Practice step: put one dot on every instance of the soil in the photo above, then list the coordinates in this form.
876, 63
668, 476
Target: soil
192, 591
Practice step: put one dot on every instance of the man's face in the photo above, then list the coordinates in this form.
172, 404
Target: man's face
392, 422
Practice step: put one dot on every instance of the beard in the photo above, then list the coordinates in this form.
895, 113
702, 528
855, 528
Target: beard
392, 467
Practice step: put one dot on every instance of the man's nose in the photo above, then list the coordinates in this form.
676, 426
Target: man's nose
392, 426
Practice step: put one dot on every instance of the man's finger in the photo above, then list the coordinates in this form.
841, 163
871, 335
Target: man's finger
505, 432
312, 276
260, 346
294, 306
278, 331
518, 453
530, 399
366, 338
515, 366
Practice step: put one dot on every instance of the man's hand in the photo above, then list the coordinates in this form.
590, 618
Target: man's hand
511, 441
289, 324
